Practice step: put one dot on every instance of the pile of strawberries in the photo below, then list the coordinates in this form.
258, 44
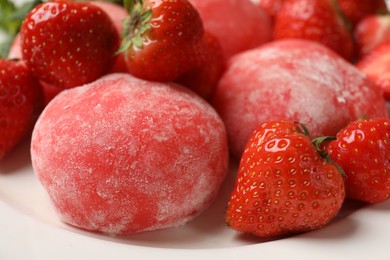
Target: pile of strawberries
287, 181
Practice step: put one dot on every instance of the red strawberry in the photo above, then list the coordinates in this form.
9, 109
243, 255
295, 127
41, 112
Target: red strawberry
117, 13
49, 91
376, 65
160, 38
20, 102
68, 43
362, 150
203, 79
272, 7
371, 32
356, 10
283, 185
316, 20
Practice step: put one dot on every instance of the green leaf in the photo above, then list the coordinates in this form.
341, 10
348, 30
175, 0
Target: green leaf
302, 129
126, 43
319, 141
137, 41
144, 28
20, 13
7, 24
11, 18
119, 2
5, 47
146, 16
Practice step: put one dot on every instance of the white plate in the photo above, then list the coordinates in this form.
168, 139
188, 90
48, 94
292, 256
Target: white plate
30, 229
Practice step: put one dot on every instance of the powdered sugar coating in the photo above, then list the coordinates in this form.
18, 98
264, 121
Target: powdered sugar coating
293, 80
122, 155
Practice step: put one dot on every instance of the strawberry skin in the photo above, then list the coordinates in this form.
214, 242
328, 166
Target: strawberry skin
272, 7
160, 39
68, 43
315, 20
204, 78
376, 66
362, 150
371, 32
355, 10
21, 101
283, 185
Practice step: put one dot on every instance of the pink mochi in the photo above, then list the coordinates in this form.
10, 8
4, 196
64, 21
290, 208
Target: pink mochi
293, 80
239, 25
122, 155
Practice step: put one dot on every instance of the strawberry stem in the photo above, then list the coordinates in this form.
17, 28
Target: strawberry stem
302, 129
329, 160
135, 25
318, 143
129, 4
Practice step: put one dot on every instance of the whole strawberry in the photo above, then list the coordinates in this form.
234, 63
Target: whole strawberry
375, 65
20, 103
362, 150
315, 20
283, 184
67, 43
160, 38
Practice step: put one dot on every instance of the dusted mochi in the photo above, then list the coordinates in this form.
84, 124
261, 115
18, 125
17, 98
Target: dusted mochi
294, 80
123, 155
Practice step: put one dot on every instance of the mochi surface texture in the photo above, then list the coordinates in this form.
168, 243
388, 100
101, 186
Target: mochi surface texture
294, 80
123, 155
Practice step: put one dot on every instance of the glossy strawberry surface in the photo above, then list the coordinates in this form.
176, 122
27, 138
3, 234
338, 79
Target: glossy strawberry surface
68, 43
161, 38
283, 185
362, 150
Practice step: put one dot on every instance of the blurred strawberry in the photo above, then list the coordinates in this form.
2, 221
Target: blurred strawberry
272, 7
371, 32
203, 80
316, 20
355, 10
20, 103
376, 65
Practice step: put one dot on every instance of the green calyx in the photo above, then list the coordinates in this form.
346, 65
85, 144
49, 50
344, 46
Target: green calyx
318, 142
302, 129
135, 25
319, 145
